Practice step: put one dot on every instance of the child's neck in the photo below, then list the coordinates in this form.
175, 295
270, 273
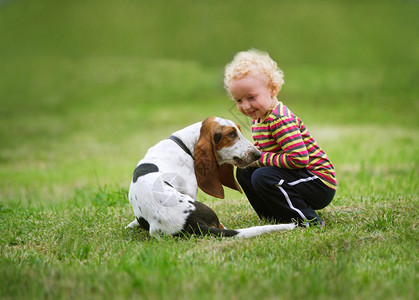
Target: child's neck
273, 105
275, 102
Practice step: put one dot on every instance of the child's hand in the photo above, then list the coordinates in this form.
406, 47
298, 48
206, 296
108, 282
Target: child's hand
255, 163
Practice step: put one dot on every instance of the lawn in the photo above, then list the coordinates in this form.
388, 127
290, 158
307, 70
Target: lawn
87, 87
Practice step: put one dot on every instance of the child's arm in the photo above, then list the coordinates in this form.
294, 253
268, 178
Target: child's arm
291, 152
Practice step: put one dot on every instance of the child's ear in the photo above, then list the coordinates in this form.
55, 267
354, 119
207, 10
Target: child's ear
274, 90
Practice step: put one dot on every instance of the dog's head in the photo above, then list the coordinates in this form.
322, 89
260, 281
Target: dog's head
220, 146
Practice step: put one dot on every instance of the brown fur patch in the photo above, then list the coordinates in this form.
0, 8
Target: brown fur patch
229, 136
209, 175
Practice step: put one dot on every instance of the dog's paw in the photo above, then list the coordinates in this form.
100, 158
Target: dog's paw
133, 224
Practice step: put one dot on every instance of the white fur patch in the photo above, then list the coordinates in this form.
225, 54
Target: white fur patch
258, 230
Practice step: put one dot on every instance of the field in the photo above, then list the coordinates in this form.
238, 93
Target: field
87, 87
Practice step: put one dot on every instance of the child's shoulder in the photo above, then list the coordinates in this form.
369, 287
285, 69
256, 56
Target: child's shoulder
278, 116
281, 116
280, 111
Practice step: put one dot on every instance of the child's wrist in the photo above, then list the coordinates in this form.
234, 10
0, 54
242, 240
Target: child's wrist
262, 159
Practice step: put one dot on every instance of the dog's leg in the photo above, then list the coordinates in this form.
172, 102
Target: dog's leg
203, 220
155, 232
133, 224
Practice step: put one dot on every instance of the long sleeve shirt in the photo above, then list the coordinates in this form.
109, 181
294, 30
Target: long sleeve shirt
286, 143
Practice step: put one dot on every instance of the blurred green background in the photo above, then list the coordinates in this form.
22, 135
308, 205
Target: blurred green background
87, 86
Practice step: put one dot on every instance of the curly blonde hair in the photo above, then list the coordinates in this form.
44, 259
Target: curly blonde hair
254, 62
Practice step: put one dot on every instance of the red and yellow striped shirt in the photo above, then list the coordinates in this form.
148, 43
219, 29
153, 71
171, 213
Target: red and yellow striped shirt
286, 143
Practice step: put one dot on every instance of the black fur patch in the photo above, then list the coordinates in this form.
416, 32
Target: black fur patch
203, 221
217, 137
168, 184
143, 224
144, 169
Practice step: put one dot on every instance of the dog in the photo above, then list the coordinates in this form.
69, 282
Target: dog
165, 182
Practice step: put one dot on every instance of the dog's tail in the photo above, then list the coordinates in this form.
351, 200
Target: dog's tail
245, 232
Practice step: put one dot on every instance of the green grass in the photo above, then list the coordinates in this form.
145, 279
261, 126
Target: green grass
87, 88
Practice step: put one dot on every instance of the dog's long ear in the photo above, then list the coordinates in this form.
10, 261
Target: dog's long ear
225, 173
206, 163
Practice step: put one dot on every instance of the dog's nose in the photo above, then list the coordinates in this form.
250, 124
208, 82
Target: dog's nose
257, 155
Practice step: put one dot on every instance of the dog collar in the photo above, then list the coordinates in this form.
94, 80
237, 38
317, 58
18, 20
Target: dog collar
181, 144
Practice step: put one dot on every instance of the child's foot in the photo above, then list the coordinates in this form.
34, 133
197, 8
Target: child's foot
314, 224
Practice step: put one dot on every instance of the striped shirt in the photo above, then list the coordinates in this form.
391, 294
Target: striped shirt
286, 143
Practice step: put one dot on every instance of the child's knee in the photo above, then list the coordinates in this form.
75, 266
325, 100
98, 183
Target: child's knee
260, 178
244, 175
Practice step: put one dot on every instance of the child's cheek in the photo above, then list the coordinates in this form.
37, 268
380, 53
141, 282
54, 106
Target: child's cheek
239, 108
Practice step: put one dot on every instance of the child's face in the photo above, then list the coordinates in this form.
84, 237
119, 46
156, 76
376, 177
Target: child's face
252, 95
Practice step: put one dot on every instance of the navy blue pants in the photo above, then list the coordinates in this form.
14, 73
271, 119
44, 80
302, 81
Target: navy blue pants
285, 195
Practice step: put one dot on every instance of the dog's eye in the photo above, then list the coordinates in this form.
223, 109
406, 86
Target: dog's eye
232, 134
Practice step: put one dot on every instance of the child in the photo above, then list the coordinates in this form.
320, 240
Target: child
294, 176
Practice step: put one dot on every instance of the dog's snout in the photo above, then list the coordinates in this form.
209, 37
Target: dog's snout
257, 154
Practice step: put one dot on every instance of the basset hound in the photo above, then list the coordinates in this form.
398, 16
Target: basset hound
165, 182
